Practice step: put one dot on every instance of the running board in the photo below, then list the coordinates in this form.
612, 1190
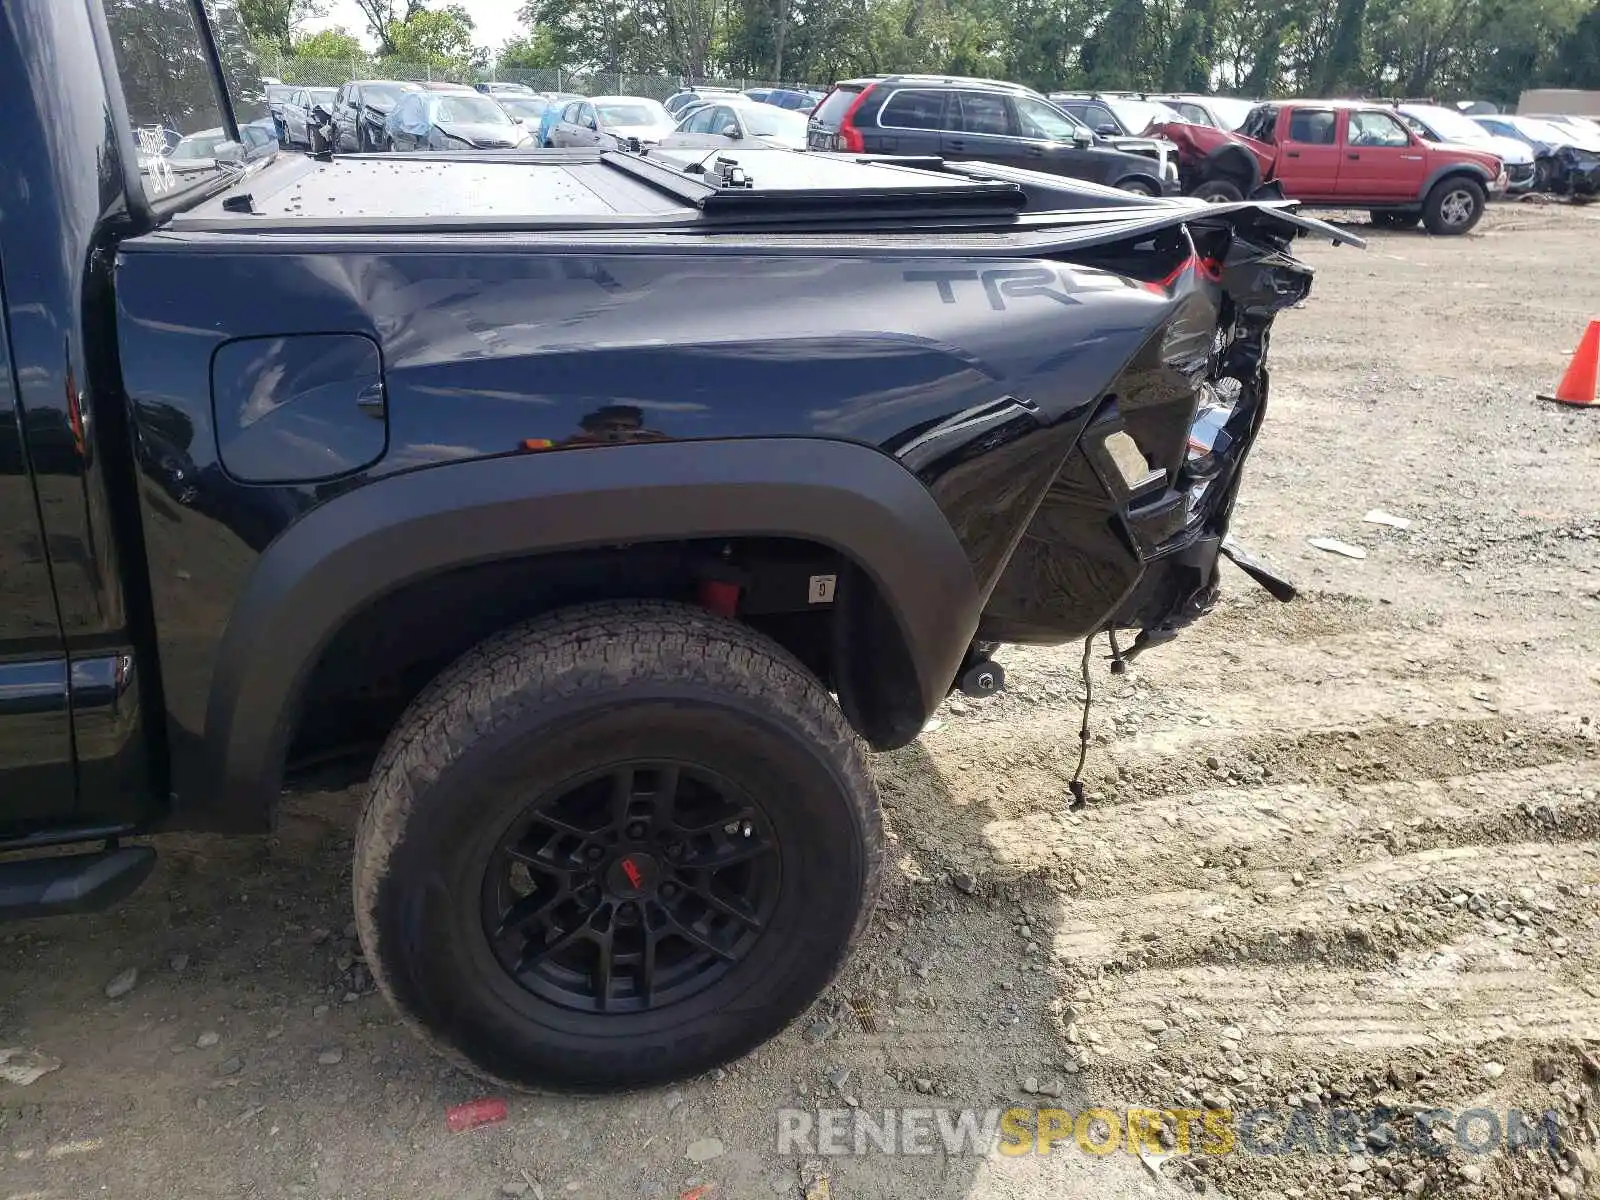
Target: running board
72, 883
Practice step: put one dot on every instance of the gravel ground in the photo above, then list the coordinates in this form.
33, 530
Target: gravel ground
1339, 853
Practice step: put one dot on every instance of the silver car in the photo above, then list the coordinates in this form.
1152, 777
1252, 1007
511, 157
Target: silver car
738, 120
297, 118
606, 121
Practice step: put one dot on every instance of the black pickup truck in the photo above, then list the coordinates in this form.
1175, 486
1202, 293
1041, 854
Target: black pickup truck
600, 509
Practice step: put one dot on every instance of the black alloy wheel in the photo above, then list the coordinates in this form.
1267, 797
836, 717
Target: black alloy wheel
631, 889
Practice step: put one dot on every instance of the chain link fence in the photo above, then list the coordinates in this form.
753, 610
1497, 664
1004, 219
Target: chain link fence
331, 72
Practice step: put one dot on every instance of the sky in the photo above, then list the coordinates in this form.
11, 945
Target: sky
496, 21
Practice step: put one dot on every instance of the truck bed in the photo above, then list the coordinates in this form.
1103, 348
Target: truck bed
577, 189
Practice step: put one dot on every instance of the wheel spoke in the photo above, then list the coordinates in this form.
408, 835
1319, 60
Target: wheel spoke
561, 825
527, 909
543, 856
695, 937
729, 853
532, 955
742, 915
745, 813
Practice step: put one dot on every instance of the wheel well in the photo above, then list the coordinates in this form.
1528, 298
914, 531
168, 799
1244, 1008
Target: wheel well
382, 656
1143, 177
1454, 173
1231, 163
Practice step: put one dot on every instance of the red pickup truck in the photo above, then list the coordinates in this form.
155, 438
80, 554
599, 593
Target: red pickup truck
1340, 154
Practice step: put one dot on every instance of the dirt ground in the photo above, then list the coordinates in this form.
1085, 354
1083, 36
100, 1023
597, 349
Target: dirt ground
1341, 852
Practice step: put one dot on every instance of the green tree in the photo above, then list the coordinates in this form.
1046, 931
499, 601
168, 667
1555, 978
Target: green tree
384, 16
336, 43
439, 37
536, 51
273, 22
1577, 58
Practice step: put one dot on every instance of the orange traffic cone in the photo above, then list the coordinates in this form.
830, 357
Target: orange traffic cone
1578, 384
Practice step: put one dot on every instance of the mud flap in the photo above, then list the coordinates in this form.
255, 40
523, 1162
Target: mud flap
1279, 587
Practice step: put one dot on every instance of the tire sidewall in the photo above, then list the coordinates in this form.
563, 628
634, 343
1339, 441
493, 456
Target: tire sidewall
426, 906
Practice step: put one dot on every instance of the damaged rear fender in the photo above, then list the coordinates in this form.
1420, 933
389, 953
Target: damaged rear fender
1129, 532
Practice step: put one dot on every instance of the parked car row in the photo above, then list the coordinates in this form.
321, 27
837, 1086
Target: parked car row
1565, 150
1408, 163
378, 115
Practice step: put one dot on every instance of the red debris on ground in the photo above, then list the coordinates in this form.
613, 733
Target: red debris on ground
473, 1113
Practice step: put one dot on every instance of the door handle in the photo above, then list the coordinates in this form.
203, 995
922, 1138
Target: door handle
1035, 152
1353, 156
958, 145
1292, 154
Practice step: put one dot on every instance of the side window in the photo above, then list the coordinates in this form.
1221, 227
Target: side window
1036, 119
1097, 116
586, 115
914, 110
1261, 124
1195, 113
569, 115
1312, 126
1375, 129
338, 98
983, 112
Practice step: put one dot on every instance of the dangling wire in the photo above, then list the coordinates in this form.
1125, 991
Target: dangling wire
1075, 785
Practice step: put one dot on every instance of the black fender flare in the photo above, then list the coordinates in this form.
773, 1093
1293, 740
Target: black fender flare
348, 552
1479, 175
1232, 161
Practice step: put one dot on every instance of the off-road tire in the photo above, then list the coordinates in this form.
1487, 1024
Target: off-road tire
1218, 191
1138, 187
1454, 206
546, 702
